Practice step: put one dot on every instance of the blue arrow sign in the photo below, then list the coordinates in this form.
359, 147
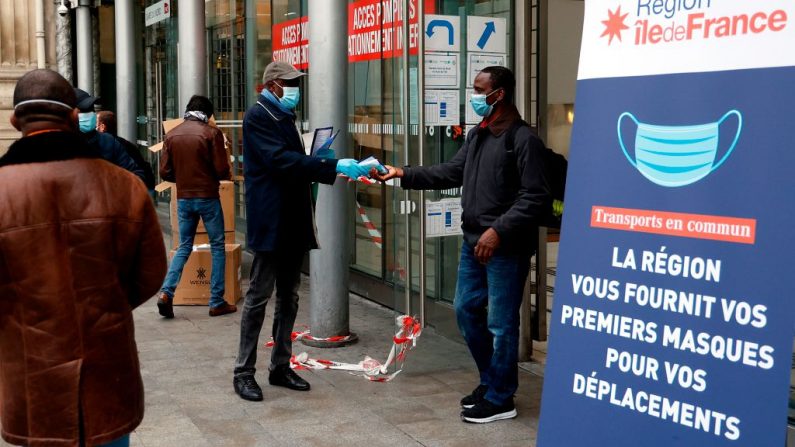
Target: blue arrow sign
443, 23
484, 38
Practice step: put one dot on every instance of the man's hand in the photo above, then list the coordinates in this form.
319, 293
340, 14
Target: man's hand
391, 173
489, 242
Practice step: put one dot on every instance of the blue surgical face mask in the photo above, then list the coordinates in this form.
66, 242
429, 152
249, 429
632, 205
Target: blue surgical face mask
290, 97
677, 155
87, 121
479, 104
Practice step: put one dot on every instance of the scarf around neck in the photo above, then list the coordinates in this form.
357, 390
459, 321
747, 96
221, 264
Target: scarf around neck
201, 116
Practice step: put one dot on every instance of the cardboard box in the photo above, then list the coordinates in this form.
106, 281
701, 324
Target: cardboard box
201, 238
169, 125
227, 192
194, 285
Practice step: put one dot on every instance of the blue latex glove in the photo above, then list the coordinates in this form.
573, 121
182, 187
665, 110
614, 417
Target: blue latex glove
351, 168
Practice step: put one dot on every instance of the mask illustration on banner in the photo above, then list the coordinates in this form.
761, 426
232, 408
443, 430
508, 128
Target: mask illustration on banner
87, 121
290, 97
479, 104
674, 156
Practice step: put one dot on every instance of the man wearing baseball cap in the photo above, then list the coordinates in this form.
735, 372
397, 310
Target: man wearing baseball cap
280, 218
109, 148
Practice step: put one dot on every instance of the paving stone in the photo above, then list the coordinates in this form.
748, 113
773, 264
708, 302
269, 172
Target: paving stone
187, 365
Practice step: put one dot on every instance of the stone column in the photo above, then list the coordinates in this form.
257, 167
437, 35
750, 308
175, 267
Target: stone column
63, 45
328, 78
192, 51
126, 85
85, 47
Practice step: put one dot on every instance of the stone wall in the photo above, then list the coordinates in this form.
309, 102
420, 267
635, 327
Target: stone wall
18, 53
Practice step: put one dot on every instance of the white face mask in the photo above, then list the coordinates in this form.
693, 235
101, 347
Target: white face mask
43, 101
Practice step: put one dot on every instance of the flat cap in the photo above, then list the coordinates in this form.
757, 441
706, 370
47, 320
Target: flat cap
280, 70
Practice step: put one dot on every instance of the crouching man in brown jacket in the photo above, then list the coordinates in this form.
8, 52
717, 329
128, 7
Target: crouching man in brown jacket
80, 248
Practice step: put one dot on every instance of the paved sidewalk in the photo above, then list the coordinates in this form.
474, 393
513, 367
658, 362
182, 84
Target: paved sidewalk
187, 368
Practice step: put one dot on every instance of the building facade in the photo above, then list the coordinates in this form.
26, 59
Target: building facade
243, 36
393, 260
26, 27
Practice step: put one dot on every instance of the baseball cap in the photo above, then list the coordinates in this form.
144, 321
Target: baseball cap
85, 102
280, 70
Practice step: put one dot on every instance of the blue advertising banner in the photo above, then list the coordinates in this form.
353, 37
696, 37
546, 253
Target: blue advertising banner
674, 316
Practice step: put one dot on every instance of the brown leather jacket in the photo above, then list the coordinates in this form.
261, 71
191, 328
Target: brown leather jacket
80, 248
195, 158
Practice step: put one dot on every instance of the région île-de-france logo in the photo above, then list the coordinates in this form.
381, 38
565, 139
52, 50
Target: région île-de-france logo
655, 22
614, 25
201, 273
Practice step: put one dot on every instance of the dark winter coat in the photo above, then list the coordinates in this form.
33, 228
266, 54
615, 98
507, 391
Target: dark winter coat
278, 176
80, 248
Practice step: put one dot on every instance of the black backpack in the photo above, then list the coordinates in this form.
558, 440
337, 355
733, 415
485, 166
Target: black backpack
555, 168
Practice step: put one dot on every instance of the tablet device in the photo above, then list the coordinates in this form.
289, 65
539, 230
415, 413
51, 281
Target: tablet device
322, 139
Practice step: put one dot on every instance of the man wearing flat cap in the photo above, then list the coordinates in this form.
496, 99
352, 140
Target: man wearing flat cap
280, 218
80, 248
109, 148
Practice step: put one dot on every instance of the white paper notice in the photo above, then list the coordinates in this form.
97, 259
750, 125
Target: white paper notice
414, 95
443, 218
442, 108
307, 140
471, 116
442, 70
478, 61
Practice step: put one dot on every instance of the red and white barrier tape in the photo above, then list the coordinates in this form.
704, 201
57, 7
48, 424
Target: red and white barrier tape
304, 335
409, 330
375, 236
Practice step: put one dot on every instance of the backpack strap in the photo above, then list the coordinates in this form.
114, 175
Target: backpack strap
510, 140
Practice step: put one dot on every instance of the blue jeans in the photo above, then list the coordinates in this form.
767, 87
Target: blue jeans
124, 441
487, 302
188, 213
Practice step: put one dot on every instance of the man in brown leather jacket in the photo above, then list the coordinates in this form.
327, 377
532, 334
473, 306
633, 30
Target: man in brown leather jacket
80, 248
194, 157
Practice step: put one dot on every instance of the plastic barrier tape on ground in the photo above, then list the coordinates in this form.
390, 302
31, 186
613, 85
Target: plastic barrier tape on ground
409, 330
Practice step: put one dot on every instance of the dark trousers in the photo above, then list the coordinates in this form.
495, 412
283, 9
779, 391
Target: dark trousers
269, 269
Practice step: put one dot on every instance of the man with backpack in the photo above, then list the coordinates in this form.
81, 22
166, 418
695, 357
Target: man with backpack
505, 196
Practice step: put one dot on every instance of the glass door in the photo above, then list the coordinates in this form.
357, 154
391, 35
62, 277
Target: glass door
385, 98
160, 82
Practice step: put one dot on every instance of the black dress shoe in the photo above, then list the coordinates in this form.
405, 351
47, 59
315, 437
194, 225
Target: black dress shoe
246, 387
286, 377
